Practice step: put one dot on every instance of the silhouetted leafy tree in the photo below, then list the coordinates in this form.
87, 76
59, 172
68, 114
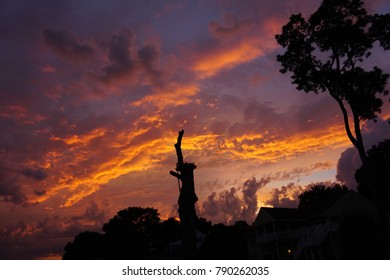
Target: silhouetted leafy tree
320, 195
326, 53
87, 245
375, 174
132, 219
133, 233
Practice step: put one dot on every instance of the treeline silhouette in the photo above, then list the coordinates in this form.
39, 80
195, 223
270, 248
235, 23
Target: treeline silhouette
139, 233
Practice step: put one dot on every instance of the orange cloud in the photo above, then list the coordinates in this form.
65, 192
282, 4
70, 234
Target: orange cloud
256, 147
251, 44
128, 156
79, 169
86, 138
174, 95
223, 59
21, 114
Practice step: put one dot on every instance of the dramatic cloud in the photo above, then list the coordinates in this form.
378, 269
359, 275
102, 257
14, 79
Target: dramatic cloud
122, 65
10, 188
285, 196
225, 207
347, 165
148, 56
37, 174
234, 204
349, 161
249, 191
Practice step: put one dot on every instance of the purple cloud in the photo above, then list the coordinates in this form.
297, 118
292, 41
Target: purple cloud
67, 45
234, 204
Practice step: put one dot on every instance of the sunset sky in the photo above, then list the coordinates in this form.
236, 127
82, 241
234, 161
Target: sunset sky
93, 93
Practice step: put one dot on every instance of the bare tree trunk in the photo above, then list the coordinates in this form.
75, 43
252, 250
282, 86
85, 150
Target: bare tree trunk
187, 200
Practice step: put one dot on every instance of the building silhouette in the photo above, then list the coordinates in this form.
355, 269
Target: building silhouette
343, 228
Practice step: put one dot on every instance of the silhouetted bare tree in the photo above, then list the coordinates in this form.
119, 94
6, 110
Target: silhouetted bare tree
187, 200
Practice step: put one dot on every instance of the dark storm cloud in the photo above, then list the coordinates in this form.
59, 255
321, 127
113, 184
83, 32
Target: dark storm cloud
11, 192
38, 174
40, 192
121, 62
147, 57
126, 62
10, 189
66, 44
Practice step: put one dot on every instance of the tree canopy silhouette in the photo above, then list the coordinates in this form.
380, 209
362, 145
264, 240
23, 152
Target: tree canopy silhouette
326, 53
132, 220
133, 233
320, 194
86, 245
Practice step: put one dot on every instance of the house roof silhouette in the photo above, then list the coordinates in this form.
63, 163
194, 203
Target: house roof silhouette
350, 202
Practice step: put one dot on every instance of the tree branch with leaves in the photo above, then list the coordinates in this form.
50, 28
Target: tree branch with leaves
326, 53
